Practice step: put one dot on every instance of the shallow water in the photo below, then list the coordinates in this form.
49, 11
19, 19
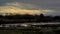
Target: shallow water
26, 24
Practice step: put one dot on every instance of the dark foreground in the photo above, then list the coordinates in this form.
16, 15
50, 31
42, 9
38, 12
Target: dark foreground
32, 28
30, 31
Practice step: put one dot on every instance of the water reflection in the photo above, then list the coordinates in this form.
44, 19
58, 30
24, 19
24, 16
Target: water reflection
28, 24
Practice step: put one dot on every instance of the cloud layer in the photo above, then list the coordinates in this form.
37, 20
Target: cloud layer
53, 5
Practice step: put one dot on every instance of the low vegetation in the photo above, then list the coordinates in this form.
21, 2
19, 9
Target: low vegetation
30, 31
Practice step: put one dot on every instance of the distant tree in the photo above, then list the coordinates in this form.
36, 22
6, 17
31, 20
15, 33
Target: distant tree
41, 15
57, 17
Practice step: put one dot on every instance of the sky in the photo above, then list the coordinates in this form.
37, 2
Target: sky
47, 7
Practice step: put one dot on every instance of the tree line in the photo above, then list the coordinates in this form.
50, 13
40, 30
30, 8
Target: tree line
26, 18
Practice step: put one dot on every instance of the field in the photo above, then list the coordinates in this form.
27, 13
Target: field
30, 31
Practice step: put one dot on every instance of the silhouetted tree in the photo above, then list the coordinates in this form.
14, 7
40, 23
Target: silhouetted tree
41, 15
18, 18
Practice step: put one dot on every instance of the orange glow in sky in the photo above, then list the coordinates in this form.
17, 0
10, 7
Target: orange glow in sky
15, 10
18, 10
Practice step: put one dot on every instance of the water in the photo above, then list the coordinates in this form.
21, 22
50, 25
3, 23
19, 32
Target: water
27, 24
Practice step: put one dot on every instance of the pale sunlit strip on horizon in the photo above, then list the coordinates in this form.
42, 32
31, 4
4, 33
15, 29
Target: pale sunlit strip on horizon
13, 10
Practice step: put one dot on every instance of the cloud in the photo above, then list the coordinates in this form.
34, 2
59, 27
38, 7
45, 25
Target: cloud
22, 5
16, 10
34, 5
